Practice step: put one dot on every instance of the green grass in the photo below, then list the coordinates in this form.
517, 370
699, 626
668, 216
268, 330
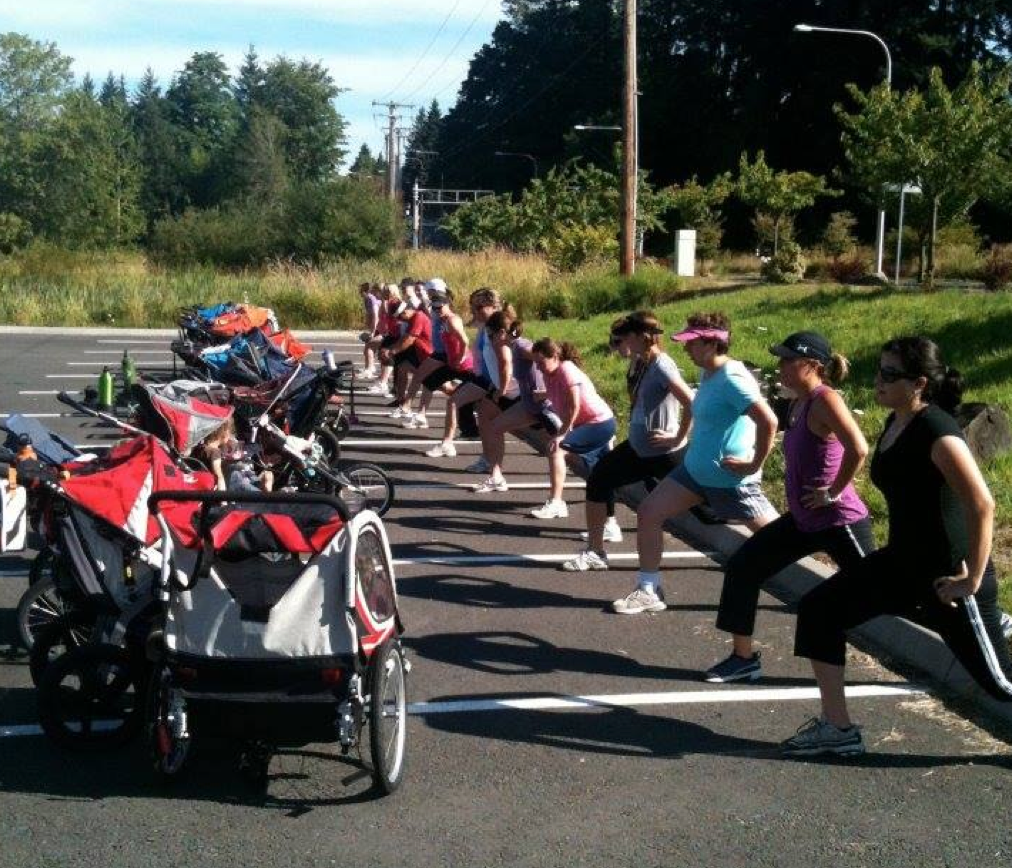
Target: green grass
972, 328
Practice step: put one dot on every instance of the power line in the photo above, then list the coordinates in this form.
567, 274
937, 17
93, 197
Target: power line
425, 53
449, 54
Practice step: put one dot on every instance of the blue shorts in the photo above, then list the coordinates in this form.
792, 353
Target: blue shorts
591, 441
744, 503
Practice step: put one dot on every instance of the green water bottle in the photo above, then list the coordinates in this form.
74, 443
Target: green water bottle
105, 389
129, 372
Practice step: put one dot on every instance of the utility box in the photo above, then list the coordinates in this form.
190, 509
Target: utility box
685, 253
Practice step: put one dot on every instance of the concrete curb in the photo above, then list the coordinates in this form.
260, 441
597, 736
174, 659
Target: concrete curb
152, 333
889, 638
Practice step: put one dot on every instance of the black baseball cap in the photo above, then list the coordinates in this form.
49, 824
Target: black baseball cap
804, 345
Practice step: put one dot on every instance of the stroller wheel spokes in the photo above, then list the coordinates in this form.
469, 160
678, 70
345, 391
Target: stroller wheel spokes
364, 486
65, 633
168, 735
388, 716
41, 605
89, 698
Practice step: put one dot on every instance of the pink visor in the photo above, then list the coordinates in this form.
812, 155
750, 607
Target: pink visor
690, 334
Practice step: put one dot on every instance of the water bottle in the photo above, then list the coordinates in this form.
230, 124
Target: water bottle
329, 360
105, 389
128, 370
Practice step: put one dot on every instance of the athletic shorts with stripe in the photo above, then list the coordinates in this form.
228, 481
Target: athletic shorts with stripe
886, 583
774, 547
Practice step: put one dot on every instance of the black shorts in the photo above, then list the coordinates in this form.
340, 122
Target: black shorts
441, 376
388, 341
505, 403
439, 357
410, 355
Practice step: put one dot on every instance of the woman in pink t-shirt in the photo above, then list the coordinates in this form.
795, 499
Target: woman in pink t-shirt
586, 423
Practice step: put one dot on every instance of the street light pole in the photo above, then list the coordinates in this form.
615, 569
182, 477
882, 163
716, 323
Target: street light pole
630, 144
811, 28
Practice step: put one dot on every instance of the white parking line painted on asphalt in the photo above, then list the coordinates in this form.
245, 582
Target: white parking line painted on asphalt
14, 574
70, 377
40, 415
133, 352
408, 441
718, 696
672, 697
49, 392
463, 560
514, 486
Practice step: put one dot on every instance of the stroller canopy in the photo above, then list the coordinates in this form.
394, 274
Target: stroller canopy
177, 417
116, 488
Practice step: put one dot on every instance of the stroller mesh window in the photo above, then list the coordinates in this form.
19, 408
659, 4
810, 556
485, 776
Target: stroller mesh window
374, 576
257, 583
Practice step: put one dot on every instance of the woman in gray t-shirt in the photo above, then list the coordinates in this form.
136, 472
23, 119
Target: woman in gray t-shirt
661, 417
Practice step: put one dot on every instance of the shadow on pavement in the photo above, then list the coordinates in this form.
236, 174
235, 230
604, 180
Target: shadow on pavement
514, 653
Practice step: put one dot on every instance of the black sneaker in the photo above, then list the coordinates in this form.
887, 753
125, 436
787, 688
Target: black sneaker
817, 737
735, 668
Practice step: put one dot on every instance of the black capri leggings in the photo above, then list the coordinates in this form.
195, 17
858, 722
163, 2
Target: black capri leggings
772, 548
623, 466
885, 583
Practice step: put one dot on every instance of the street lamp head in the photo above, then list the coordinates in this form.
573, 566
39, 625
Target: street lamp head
802, 28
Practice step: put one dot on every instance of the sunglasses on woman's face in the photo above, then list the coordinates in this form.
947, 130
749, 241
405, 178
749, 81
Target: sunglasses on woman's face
892, 375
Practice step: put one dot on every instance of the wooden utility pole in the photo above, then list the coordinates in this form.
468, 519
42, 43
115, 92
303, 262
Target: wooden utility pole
630, 145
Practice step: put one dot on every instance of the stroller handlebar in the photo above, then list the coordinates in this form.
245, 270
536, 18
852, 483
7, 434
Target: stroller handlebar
206, 497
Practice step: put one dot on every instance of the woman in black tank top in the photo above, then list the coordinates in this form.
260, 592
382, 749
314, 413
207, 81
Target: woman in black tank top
935, 568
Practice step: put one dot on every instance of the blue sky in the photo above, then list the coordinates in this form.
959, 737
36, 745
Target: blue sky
374, 47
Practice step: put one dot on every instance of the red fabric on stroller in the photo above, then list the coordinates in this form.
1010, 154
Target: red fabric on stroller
285, 341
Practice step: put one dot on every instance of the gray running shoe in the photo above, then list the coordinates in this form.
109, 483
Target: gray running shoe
818, 736
735, 668
639, 601
585, 561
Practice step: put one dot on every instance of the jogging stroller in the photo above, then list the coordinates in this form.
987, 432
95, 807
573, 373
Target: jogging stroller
281, 628
104, 556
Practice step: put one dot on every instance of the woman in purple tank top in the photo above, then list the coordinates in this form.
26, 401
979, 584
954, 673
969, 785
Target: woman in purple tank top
823, 450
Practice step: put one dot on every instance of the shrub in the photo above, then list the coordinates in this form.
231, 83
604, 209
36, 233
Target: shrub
579, 245
997, 270
15, 233
766, 231
788, 266
838, 239
847, 269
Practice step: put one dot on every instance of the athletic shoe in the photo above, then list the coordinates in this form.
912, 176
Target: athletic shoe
490, 485
397, 413
735, 668
640, 600
612, 532
416, 420
442, 450
479, 466
551, 509
367, 374
586, 561
818, 736
1006, 625
381, 389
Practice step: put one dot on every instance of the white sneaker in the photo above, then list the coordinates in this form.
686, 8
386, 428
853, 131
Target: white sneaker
442, 450
415, 420
398, 412
551, 509
367, 374
379, 389
612, 532
491, 484
479, 466
584, 561
638, 601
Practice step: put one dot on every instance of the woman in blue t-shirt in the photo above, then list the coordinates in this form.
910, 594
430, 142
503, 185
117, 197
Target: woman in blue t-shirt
732, 434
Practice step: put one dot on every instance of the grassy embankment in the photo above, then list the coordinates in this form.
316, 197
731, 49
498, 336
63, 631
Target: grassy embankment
56, 288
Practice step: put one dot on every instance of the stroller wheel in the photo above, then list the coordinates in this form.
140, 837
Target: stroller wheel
90, 699
368, 487
40, 605
168, 741
388, 716
71, 630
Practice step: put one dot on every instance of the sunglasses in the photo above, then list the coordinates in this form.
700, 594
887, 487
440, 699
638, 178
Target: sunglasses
892, 375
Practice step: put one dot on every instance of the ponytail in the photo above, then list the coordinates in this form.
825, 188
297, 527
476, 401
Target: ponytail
564, 352
836, 370
948, 393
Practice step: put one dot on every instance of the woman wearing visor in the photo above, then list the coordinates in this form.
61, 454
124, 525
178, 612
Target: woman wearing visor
823, 451
732, 434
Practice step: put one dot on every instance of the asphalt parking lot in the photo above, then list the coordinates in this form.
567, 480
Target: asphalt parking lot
544, 730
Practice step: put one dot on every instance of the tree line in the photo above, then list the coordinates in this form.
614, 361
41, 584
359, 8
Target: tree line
718, 78
208, 155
